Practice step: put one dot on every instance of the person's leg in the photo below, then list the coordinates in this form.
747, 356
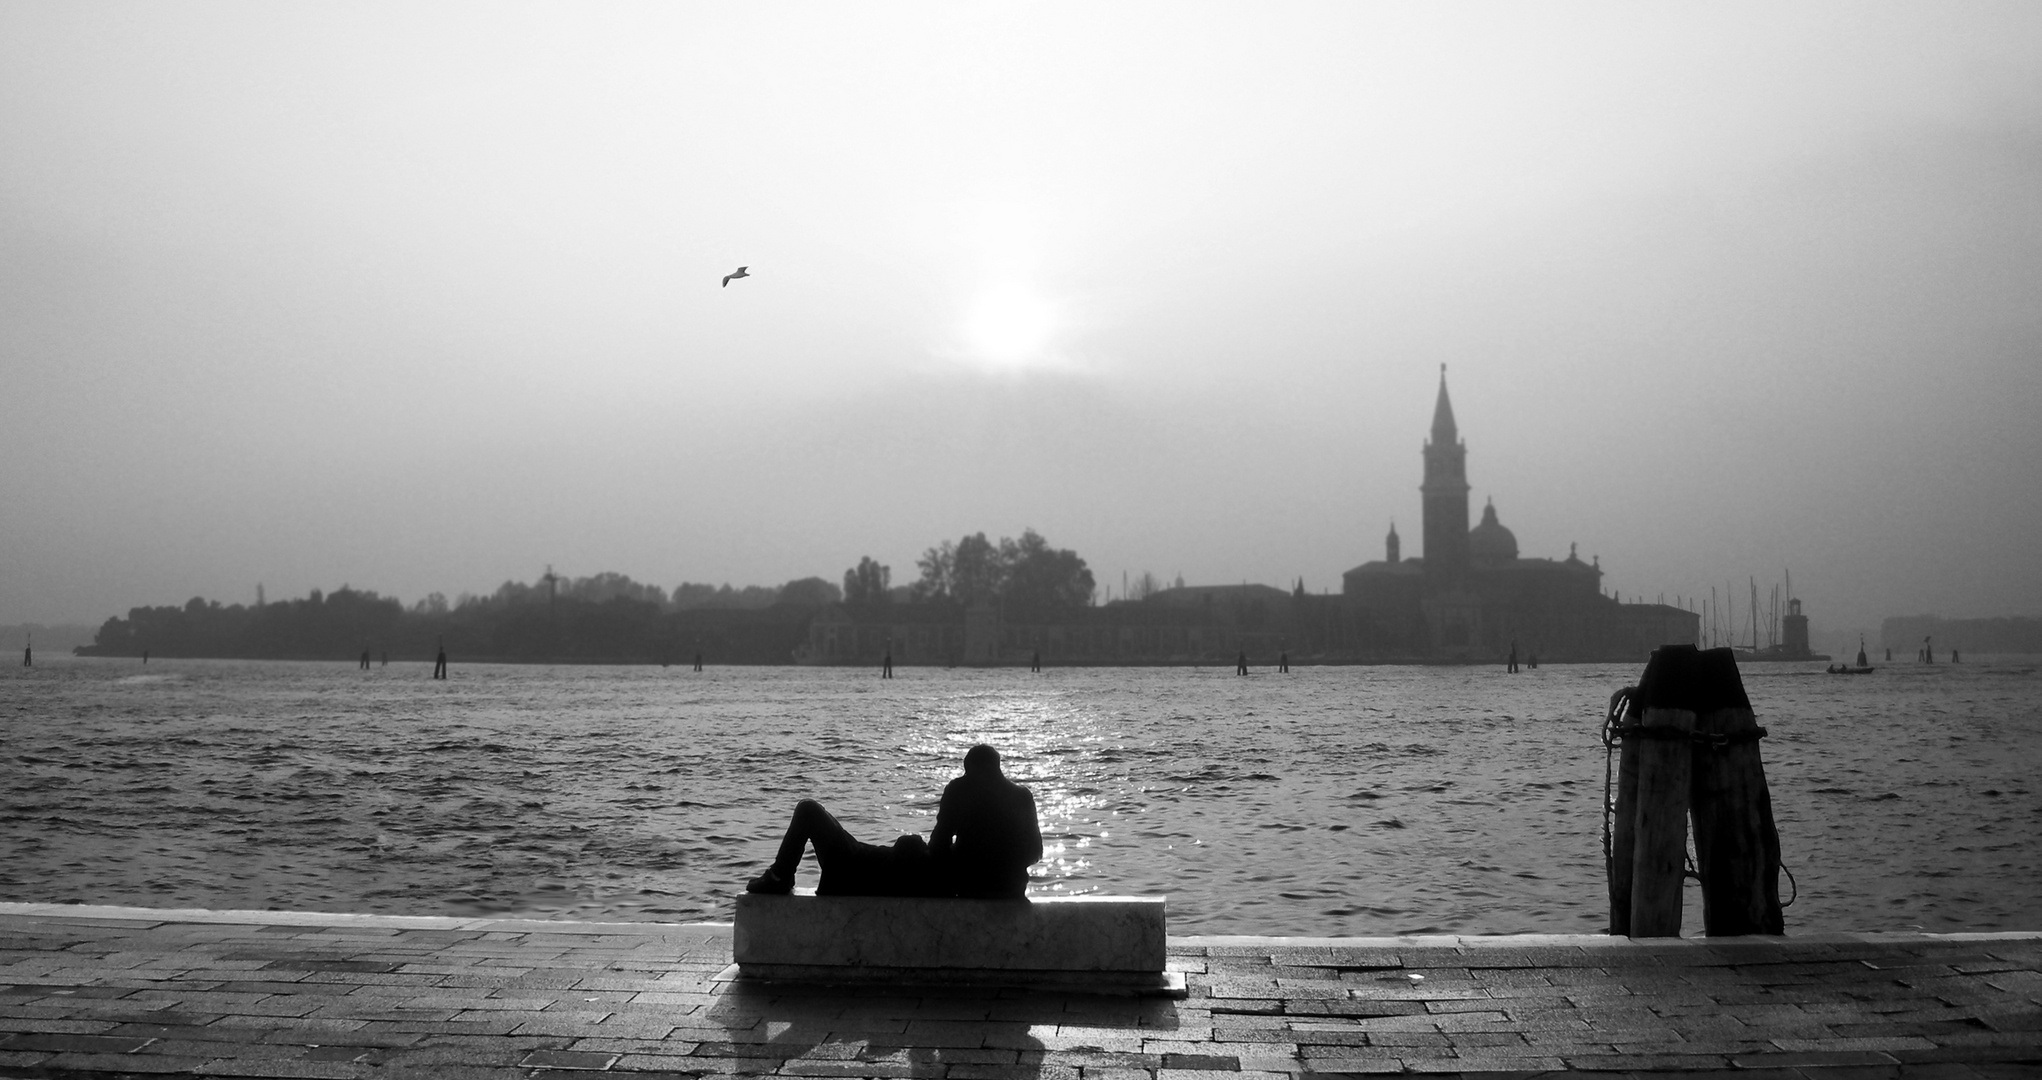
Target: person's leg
812, 825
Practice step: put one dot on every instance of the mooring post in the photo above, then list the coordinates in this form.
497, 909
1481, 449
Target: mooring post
1737, 846
1623, 813
1662, 732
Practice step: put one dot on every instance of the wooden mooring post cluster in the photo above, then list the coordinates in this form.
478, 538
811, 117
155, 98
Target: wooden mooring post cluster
1690, 751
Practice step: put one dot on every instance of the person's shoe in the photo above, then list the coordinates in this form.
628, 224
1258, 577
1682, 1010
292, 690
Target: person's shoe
769, 882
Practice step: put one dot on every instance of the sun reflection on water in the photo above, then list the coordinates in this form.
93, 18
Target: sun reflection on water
1053, 746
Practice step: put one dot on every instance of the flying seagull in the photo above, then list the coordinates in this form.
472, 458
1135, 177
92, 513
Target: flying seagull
738, 273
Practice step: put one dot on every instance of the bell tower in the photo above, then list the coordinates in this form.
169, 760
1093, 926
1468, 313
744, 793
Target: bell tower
1445, 494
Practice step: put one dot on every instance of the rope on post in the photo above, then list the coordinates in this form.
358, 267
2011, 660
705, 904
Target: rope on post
1699, 738
1612, 726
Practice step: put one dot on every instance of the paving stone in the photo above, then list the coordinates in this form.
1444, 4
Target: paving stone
121, 1063
639, 1067
633, 1046
495, 1024
1313, 1039
365, 979
1121, 1044
221, 1048
59, 991
1973, 1056
1202, 1062
2021, 1040
271, 987
807, 1067
567, 1059
1825, 1059
1911, 1042
713, 1049
1409, 1038
1494, 1067
1451, 1066
1330, 1070
1464, 1039
573, 1026
498, 1052
1646, 1062
338, 1034
62, 1042
59, 1025
377, 1009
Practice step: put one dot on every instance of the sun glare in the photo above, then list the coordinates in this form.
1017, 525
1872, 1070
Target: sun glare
1009, 327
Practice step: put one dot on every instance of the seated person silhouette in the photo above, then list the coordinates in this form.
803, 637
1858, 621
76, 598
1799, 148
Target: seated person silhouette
986, 838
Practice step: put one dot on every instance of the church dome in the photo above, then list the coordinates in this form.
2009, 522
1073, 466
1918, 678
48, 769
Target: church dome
1490, 542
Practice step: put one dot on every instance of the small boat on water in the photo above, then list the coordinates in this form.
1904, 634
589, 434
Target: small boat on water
1862, 667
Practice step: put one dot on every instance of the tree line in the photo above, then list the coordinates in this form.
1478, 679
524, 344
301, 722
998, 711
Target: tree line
1025, 575
603, 617
532, 625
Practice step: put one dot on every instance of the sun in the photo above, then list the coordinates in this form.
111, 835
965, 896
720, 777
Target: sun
1009, 326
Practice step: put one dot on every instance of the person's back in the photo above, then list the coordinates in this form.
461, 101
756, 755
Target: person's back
903, 868
987, 834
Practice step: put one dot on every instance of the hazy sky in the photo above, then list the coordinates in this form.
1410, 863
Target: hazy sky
425, 296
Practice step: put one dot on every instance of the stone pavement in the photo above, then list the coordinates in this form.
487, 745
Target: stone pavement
103, 992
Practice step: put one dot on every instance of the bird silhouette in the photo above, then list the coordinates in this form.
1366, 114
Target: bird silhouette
738, 273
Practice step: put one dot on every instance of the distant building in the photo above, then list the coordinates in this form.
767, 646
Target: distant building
1184, 625
1470, 596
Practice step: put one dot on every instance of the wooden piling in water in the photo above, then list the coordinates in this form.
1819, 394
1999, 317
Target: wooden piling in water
1737, 846
1659, 859
1657, 738
1623, 822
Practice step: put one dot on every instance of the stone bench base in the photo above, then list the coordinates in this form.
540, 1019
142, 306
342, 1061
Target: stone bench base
1090, 944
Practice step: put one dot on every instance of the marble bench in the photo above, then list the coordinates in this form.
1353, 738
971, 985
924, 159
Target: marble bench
1091, 944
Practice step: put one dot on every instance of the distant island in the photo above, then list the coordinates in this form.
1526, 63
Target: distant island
976, 602
607, 617
1468, 596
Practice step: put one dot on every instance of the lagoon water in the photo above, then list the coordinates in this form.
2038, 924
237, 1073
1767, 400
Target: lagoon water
1330, 801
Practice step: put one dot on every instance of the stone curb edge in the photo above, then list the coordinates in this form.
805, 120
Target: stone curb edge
113, 913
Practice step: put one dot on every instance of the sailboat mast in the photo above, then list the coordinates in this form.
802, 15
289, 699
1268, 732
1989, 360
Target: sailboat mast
1754, 614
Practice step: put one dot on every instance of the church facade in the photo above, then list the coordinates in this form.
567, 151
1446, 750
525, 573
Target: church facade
1470, 596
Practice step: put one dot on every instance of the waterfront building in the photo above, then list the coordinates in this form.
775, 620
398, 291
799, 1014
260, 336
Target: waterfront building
1185, 625
1470, 595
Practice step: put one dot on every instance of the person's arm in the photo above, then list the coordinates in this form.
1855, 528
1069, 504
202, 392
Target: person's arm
946, 823
1032, 844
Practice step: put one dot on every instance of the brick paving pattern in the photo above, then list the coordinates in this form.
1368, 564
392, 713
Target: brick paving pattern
119, 992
